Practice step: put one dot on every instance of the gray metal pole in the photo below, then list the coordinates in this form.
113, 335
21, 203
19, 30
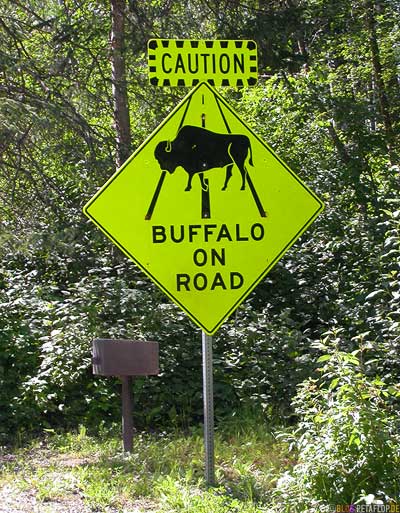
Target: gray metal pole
208, 400
127, 410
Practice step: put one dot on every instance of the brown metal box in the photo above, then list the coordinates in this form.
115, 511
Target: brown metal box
113, 357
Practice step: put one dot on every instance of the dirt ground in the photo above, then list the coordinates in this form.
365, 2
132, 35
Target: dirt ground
13, 500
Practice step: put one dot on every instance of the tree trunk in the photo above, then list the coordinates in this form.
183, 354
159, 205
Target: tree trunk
378, 72
119, 89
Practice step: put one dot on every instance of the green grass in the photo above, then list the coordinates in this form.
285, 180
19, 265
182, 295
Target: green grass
164, 472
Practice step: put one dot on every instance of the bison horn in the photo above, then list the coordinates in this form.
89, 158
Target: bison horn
168, 147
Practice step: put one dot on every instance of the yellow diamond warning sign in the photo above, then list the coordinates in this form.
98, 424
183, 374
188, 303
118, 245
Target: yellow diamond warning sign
204, 207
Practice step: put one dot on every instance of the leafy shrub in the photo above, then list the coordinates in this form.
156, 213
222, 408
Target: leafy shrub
348, 438
51, 308
61, 283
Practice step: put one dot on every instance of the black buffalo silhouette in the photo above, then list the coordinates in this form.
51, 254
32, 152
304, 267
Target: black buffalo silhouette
197, 150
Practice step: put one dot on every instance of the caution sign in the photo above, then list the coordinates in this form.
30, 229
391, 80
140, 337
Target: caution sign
204, 207
184, 62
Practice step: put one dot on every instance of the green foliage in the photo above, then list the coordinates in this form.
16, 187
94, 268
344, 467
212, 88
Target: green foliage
347, 440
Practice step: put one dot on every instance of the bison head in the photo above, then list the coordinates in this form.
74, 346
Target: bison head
164, 155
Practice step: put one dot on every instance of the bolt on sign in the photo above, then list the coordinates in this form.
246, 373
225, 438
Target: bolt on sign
184, 62
204, 207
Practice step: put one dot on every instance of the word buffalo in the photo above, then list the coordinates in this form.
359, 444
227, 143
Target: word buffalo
197, 150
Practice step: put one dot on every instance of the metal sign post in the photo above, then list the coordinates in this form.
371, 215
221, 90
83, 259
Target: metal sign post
208, 400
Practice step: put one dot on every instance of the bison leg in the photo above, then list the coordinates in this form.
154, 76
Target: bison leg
238, 154
244, 173
189, 182
227, 176
204, 185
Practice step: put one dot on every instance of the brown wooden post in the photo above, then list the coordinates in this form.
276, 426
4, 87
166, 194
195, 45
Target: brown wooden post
125, 359
127, 413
